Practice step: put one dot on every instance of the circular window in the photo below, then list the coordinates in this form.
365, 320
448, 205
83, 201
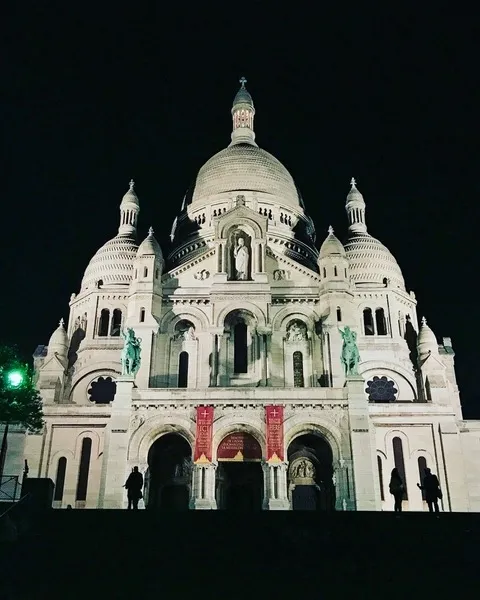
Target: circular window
381, 389
102, 390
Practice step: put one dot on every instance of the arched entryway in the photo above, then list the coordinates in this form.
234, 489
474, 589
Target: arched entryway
239, 481
169, 474
310, 473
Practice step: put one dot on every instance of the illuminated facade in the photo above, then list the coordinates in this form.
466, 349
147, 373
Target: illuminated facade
241, 400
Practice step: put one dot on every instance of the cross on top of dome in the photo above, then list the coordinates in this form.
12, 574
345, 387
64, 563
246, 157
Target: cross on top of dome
150, 231
131, 184
353, 183
243, 81
330, 230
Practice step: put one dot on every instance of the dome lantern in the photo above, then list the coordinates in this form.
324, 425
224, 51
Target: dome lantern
355, 207
243, 113
129, 209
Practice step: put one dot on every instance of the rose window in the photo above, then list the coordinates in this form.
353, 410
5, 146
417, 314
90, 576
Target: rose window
381, 389
102, 390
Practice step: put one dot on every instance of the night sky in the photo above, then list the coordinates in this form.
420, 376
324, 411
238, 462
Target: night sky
92, 97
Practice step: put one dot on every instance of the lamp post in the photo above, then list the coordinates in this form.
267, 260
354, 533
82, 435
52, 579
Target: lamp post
14, 378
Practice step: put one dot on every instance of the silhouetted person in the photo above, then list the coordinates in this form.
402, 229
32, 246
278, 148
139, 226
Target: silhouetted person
397, 489
431, 487
69, 507
134, 485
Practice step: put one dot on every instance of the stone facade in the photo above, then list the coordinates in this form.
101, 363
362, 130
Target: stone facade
246, 313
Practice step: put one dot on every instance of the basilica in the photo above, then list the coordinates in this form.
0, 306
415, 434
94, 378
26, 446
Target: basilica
248, 366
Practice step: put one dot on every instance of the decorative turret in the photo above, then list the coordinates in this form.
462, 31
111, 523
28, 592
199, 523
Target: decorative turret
129, 209
427, 344
58, 343
355, 207
243, 113
145, 296
333, 262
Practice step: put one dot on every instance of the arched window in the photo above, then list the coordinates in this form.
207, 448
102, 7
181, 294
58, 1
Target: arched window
103, 323
324, 272
339, 314
380, 477
84, 469
422, 465
60, 479
142, 315
116, 323
240, 357
400, 462
345, 273
298, 379
145, 271
157, 271
335, 271
183, 370
368, 322
380, 321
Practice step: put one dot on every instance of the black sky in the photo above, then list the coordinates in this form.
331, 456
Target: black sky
94, 95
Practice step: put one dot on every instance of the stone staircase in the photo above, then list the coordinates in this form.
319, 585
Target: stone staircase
92, 554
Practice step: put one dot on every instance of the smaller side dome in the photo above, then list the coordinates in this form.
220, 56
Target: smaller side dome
332, 246
150, 246
130, 197
58, 343
426, 342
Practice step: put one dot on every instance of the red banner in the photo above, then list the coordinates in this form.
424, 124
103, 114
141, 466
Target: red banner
203, 439
274, 417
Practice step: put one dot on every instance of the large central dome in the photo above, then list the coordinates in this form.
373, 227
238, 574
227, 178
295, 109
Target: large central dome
245, 167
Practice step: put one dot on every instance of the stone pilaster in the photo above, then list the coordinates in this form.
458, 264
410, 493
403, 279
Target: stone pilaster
114, 471
276, 475
365, 479
203, 487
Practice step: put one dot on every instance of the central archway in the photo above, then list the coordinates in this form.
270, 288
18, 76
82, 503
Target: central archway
169, 474
310, 475
239, 480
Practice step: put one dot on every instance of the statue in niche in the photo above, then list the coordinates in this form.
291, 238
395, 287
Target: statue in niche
189, 334
304, 469
297, 332
185, 332
242, 258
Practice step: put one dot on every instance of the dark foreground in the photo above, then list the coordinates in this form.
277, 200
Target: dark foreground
92, 554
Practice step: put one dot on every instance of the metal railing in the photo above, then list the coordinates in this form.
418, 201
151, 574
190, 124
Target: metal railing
10, 488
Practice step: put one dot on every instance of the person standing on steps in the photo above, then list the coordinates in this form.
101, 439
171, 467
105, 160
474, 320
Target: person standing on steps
431, 487
134, 485
397, 489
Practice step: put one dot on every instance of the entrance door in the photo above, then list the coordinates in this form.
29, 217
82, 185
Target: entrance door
170, 473
243, 486
239, 475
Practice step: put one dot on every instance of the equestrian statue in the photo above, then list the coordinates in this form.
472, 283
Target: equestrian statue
130, 353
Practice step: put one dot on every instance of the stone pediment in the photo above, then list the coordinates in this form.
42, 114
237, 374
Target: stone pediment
51, 365
286, 272
240, 215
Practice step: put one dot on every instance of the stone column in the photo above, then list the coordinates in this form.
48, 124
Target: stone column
265, 335
203, 486
115, 467
277, 487
362, 435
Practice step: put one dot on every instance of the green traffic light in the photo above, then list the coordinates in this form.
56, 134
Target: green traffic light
15, 378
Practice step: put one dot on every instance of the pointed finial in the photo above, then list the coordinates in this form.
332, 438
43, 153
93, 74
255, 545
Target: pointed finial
243, 81
131, 184
353, 183
150, 231
330, 230
424, 321
61, 323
